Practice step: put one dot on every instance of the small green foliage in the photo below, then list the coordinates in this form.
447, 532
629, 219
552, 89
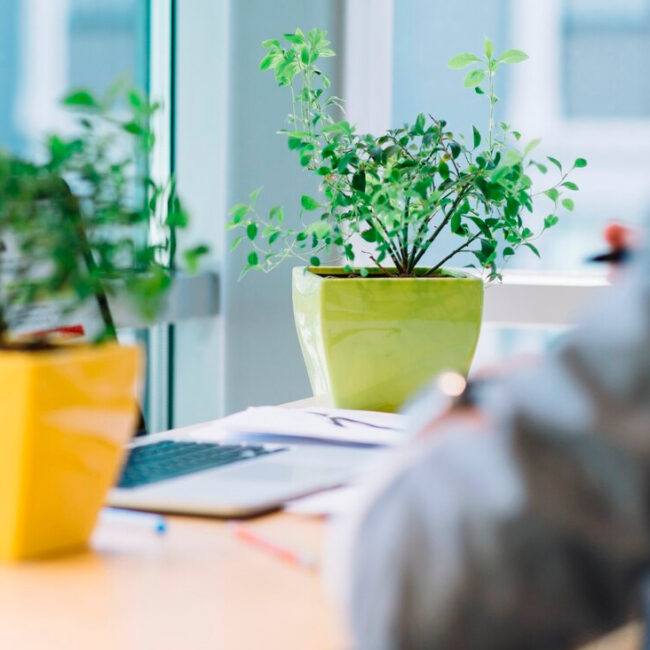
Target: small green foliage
399, 190
77, 226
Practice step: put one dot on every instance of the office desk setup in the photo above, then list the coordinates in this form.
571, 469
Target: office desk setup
199, 584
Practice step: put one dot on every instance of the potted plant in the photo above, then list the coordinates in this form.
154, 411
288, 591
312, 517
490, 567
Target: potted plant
74, 231
371, 336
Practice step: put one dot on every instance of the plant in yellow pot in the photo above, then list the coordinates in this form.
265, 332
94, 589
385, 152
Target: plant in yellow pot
371, 336
73, 232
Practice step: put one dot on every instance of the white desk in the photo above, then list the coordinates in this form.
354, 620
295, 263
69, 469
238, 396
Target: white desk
195, 587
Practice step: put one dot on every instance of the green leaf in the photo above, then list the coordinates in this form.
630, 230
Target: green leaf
253, 260
489, 48
369, 235
271, 42
133, 127
308, 203
80, 98
462, 61
512, 157
550, 221
177, 218
531, 145
455, 223
552, 194
251, 231
319, 228
238, 212
304, 55
314, 261
477, 137
266, 62
556, 162
570, 185
474, 78
294, 38
254, 195
236, 242
359, 181
513, 56
580, 162
508, 251
482, 226
193, 255
135, 99
532, 248
568, 204
418, 129
277, 213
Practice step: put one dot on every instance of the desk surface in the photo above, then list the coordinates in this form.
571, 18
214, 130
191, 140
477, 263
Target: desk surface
195, 587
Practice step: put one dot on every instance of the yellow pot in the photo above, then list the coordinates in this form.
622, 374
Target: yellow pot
66, 416
369, 343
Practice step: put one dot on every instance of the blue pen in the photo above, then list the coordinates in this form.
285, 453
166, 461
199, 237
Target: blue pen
150, 521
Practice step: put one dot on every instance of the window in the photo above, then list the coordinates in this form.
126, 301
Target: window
47, 48
584, 92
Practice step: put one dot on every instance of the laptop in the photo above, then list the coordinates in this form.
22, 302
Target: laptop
177, 473
181, 472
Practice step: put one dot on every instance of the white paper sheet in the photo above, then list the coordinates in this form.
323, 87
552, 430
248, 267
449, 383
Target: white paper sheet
317, 424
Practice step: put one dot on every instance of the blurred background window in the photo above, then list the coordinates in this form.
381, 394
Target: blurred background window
606, 45
47, 48
584, 91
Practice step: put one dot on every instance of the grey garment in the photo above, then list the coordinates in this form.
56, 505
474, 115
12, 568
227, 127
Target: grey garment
533, 534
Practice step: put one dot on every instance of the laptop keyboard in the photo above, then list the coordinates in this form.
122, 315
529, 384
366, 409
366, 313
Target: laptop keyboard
169, 459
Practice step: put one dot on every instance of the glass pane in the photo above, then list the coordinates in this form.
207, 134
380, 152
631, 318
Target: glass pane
47, 48
584, 92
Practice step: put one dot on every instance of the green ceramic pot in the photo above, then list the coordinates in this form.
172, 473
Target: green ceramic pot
370, 343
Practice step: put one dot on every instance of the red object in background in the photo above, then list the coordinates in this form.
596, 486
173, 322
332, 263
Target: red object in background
616, 236
66, 331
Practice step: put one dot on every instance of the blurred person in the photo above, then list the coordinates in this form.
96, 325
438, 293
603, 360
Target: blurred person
522, 522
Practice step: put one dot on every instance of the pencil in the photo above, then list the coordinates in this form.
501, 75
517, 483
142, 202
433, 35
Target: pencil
284, 553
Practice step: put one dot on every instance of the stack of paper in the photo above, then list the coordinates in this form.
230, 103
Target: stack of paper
317, 424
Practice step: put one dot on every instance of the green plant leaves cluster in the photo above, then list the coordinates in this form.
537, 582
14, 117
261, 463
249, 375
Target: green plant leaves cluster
399, 191
78, 225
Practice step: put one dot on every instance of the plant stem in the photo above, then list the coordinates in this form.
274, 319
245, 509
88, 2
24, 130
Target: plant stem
454, 252
492, 102
423, 249
405, 233
394, 255
380, 267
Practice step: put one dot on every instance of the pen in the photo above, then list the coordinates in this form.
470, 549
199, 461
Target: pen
147, 520
245, 534
614, 257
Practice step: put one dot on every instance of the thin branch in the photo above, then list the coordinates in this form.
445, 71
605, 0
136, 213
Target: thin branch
462, 247
438, 230
380, 267
394, 254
